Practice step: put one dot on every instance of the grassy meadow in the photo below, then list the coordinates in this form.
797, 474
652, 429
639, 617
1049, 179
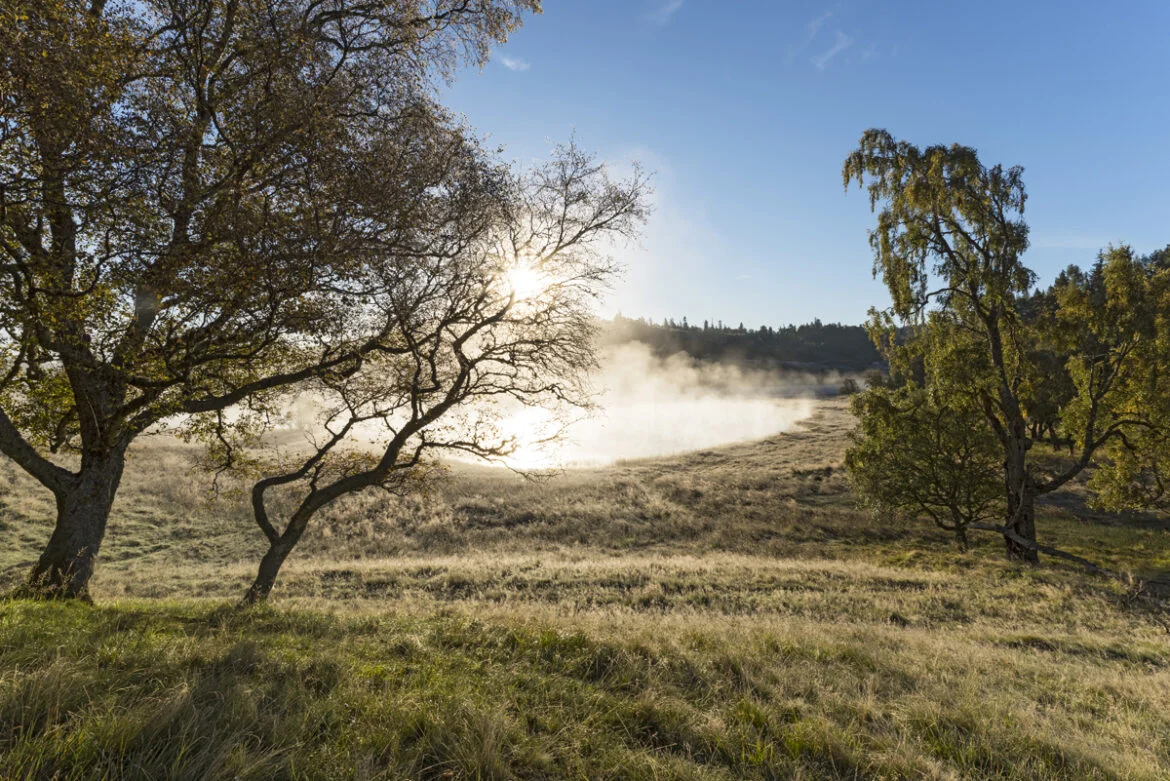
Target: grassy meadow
721, 614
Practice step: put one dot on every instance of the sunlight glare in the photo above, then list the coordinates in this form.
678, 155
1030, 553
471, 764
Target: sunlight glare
526, 281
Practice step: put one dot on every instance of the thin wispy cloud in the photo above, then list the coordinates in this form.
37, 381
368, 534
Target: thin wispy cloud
665, 12
815, 25
810, 33
843, 42
514, 63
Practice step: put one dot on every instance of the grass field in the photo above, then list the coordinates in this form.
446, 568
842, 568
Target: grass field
721, 614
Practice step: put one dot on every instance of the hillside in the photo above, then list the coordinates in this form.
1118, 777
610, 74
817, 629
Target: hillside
719, 614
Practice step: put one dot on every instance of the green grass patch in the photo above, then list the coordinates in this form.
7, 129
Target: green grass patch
202, 690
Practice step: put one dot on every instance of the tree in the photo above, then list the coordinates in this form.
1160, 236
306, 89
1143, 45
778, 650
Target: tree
914, 453
950, 235
1115, 321
184, 197
506, 319
874, 378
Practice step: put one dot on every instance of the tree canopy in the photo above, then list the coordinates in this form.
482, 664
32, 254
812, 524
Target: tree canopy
196, 197
506, 321
1085, 359
925, 449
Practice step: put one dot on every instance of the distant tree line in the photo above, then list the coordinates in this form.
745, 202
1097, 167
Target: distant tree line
814, 346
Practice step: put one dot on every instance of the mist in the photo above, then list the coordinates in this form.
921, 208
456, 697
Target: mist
644, 406
649, 406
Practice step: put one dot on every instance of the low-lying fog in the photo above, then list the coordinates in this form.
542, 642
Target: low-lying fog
644, 406
649, 406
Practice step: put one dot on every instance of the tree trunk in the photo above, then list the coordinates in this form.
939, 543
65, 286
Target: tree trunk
269, 568
961, 538
1025, 526
67, 563
1021, 509
278, 550
280, 545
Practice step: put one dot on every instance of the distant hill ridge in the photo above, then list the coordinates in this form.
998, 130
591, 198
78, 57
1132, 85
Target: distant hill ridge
814, 346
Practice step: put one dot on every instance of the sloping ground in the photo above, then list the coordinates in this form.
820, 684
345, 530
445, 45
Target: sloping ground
193, 690
783, 497
725, 614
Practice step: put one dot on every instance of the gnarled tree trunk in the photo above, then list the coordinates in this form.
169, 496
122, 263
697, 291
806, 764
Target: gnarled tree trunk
269, 568
1024, 514
279, 548
1021, 504
83, 509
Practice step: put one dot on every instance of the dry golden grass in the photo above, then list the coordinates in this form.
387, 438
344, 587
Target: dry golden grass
722, 614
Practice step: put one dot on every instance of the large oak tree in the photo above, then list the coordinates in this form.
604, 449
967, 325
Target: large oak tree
186, 191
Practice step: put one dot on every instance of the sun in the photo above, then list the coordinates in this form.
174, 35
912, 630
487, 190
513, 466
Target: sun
525, 281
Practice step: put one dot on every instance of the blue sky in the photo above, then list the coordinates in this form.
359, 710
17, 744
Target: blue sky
745, 110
